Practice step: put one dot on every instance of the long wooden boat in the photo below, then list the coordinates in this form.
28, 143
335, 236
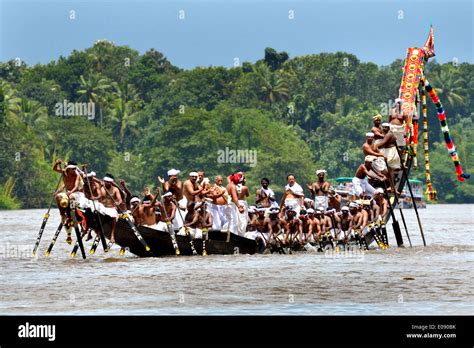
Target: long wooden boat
218, 242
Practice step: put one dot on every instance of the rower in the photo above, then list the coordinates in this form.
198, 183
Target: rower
335, 223
136, 210
275, 225
305, 224
72, 181
294, 227
359, 181
252, 216
265, 195
354, 210
201, 219
335, 200
150, 206
313, 226
293, 195
110, 199
320, 189
345, 222
219, 196
380, 205
170, 209
175, 186
92, 194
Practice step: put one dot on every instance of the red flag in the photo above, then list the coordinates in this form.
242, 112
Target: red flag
429, 45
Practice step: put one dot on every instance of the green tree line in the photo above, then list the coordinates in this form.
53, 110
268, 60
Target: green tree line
298, 114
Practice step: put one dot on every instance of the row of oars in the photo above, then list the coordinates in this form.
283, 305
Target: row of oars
395, 224
72, 220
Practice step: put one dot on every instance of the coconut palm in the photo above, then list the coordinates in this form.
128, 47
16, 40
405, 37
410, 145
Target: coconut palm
274, 87
93, 89
448, 85
9, 103
31, 113
123, 118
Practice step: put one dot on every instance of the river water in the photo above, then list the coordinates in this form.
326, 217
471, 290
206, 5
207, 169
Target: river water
437, 279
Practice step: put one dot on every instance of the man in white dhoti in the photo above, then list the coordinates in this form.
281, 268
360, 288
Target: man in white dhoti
219, 198
320, 190
360, 183
293, 196
236, 213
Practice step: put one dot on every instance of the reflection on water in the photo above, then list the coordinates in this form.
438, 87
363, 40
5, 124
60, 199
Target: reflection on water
432, 280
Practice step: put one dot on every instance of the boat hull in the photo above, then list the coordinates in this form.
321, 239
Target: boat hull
218, 242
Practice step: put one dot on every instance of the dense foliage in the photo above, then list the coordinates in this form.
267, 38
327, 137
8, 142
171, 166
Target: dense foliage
149, 116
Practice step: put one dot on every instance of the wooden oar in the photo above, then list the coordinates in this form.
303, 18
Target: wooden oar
95, 244
169, 226
45, 219
395, 225
72, 215
204, 229
130, 223
413, 200
96, 214
186, 230
51, 245
397, 202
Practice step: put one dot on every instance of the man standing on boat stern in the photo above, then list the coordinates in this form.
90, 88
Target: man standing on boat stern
293, 196
320, 190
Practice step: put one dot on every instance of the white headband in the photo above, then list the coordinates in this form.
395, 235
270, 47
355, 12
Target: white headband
319, 171
71, 166
173, 172
108, 179
135, 199
193, 174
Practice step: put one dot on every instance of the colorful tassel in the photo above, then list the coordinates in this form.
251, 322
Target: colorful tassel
444, 127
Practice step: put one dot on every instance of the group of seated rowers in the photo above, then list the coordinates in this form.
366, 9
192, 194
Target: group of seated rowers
197, 204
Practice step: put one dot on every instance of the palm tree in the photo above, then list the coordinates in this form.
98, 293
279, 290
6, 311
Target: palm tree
124, 110
31, 113
123, 118
274, 86
449, 86
93, 89
9, 103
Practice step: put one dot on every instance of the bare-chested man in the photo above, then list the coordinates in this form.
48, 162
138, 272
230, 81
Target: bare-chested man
314, 226
360, 184
388, 147
346, 222
335, 200
201, 220
265, 195
397, 118
357, 218
293, 196
276, 226
175, 186
294, 231
380, 205
236, 212
191, 188
369, 147
219, 196
376, 129
110, 199
320, 189
305, 224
